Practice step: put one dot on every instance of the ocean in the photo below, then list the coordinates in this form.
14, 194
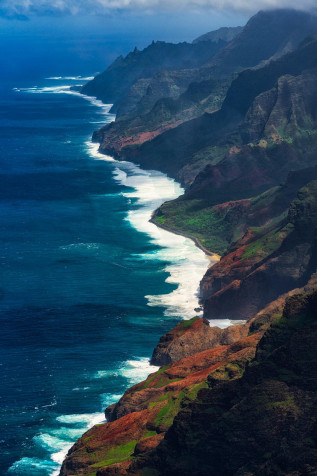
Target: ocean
88, 285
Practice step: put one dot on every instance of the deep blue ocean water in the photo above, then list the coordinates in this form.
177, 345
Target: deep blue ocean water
87, 285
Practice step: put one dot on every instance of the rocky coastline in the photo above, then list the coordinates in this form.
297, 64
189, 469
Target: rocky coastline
239, 401
246, 368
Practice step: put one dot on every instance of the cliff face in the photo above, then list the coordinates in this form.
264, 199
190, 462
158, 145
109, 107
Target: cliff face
190, 337
261, 424
238, 401
164, 106
215, 152
139, 421
269, 260
112, 85
244, 408
148, 113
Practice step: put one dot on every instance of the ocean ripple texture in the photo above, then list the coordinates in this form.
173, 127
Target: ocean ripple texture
87, 284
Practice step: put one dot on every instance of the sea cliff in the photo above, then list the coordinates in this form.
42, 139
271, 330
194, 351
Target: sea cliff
221, 410
241, 400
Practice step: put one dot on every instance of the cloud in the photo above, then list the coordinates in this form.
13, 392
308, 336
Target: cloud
21, 9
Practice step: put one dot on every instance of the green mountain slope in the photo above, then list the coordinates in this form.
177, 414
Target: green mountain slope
154, 105
239, 401
112, 85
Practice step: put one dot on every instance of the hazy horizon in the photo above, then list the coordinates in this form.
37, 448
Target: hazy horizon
69, 44
59, 38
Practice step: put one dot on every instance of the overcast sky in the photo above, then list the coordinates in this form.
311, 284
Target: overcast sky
26, 8
39, 37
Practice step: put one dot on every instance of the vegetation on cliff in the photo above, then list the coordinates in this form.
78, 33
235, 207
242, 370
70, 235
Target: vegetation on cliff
247, 408
139, 421
238, 401
263, 423
113, 85
162, 106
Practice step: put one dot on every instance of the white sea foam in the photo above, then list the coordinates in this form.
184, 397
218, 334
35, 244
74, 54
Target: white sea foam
84, 421
107, 373
223, 323
66, 89
93, 151
66, 433
47, 89
109, 398
133, 370
84, 418
59, 457
71, 78
137, 370
186, 265
187, 262
81, 246
50, 442
36, 465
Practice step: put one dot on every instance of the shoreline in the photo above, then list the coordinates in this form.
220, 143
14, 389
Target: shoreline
192, 274
209, 254
212, 258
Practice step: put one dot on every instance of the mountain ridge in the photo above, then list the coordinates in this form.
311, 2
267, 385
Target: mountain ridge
239, 401
113, 84
224, 33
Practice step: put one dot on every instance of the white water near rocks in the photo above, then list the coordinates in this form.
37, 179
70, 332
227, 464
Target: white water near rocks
181, 259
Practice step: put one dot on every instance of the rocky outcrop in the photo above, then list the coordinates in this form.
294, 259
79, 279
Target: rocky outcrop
181, 374
190, 337
265, 422
139, 421
244, 408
